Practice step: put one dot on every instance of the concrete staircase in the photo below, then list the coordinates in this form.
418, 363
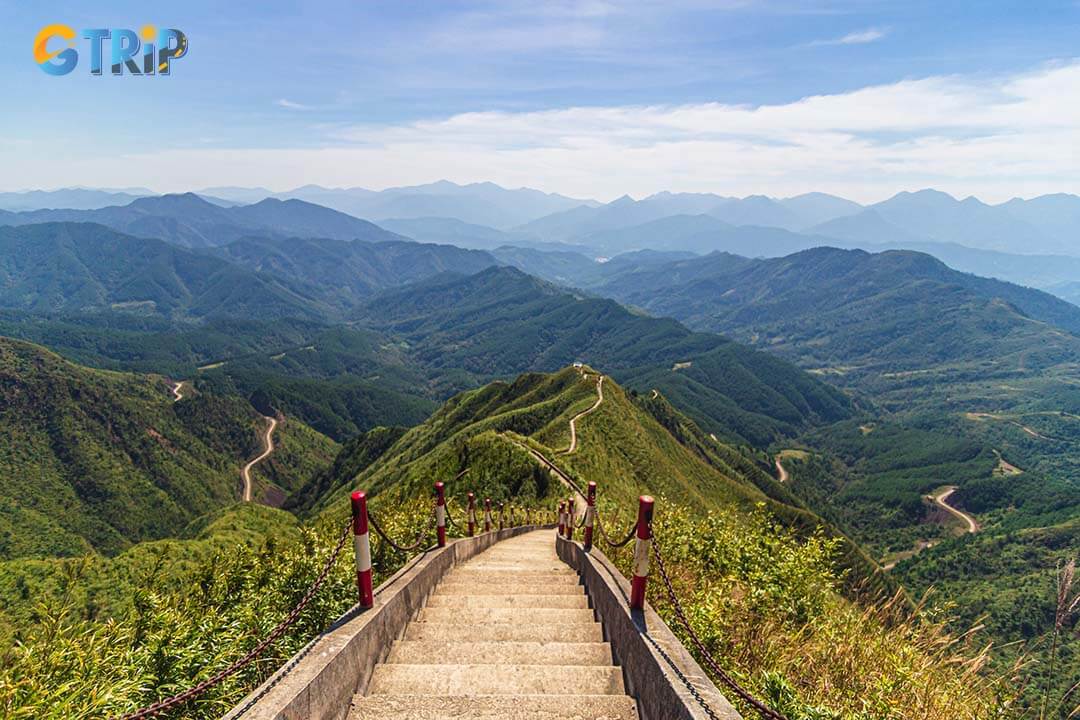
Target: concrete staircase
507, 635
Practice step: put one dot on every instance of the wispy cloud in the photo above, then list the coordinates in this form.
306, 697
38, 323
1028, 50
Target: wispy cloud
290, 105
995, 137
859, 37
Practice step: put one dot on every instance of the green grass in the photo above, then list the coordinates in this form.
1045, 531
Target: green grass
100, 460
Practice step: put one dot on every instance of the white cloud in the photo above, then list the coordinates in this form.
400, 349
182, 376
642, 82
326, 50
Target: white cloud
859, 37
290, 105
995, 137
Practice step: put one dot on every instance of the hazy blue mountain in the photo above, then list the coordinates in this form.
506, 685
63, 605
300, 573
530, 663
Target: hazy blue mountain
1057, 216
867, 228
935, 216
191, 221
1069, 291
451, 231
814, 208
476, 203
243, 196
71, 198
757, 210
703, 234
1044, 272
343, 273
579, 224
79, 267
577, 270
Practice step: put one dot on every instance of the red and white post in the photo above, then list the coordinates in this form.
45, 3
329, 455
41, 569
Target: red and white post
440, 513
472, 514
571, 521
642, 546
487, 514
590, 514
562, 518
362, 546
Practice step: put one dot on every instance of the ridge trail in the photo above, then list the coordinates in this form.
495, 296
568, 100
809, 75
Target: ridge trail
268, 447
583, 413
566, 480
177, 395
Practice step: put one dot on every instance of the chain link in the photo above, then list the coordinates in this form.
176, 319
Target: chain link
607, 541
193, 692
424, 532
764, 710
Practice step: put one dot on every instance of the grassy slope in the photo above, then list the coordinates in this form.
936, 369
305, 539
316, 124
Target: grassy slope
299, 453
94, 459
99, 587
630, 445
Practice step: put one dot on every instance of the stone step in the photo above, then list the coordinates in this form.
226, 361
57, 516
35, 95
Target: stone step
520, 567
468, 573
504, 632
478, 587
494, 707
438, 652
439, 600
482, 616
402, 679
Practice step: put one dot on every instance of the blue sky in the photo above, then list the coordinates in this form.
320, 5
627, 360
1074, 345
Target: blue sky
589, 98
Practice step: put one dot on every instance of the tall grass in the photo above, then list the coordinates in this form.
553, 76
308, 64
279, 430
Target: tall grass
65, 667
767, 605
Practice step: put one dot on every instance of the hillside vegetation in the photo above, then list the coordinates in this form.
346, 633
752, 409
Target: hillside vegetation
500, 322
771, 565
95, 460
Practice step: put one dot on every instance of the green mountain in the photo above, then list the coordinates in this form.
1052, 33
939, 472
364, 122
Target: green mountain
78, 267
859, 314
94, 460
502, 322
630, 445
343, 273
83, 268
190, 221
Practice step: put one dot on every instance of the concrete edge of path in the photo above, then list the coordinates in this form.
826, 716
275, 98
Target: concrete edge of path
654, 662
319, 682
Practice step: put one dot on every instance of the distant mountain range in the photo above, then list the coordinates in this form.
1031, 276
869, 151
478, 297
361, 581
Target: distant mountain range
82, 267
190, 221
1030, 242
478, 203
69, 198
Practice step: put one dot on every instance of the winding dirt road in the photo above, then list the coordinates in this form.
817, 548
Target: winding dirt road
177, 395
268, 445
783, 474
941, 501
583, 413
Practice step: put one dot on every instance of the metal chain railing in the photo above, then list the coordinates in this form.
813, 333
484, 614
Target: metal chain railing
196, 690
605, 538
424, 532
762, 709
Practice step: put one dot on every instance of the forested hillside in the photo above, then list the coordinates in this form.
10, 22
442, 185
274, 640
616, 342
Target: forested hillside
94, 460
501, 321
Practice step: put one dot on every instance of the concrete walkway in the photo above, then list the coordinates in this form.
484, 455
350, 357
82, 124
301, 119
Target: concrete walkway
508, 635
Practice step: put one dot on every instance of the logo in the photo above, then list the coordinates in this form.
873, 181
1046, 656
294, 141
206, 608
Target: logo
147, 52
